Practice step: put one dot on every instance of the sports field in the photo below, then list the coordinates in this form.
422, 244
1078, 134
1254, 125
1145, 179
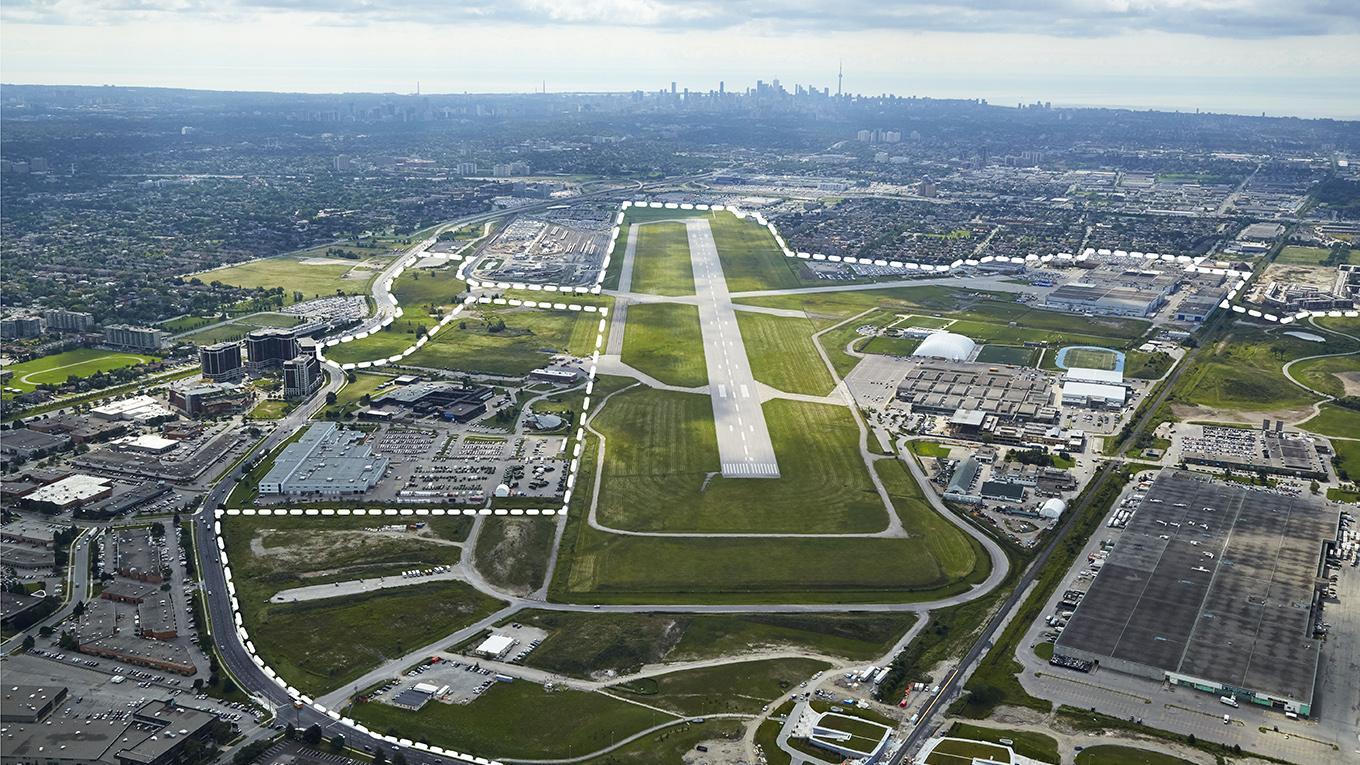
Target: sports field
661, 264
662, 453
505, 341
313, 277
664, 340
890, 346
937, 560
782, 355
751, 259
1008, 354
1090, 358
81, 362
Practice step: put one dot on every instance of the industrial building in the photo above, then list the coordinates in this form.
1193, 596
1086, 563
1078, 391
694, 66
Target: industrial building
1267, 449
453, 401
135, 338
70, 492
1078, 393
301, 376
1215, 586
142, 410
1197, 308
325, 461
1115, 292
156, 733
222, 362
1008, 393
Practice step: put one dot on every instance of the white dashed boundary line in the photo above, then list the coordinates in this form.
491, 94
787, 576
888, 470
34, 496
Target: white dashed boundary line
303, 698
1190, 264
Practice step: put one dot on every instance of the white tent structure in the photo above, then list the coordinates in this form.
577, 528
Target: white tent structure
946, 345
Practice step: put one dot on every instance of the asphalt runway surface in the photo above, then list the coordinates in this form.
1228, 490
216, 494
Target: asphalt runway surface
744, 446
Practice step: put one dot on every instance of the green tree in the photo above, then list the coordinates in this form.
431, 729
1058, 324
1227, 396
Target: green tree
337, 743
312, 736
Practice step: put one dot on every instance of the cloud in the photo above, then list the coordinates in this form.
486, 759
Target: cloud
1238, 19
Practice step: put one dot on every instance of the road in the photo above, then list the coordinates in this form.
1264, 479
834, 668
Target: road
744, 446
77, 589
952, 684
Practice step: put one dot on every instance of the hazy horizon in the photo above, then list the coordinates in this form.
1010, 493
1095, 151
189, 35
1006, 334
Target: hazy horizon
1234, 56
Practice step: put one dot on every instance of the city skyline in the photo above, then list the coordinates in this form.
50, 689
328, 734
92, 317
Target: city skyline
1246, 57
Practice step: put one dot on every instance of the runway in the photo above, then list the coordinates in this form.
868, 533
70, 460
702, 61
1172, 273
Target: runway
744, 446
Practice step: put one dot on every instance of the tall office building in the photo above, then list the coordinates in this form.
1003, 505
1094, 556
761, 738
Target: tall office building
268, 348
138, 338
221, 362
301, 376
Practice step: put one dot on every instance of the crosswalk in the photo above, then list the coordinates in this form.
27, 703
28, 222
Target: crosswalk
750, 469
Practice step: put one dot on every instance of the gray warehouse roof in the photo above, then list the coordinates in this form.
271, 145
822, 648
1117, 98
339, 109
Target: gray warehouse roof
1213, 581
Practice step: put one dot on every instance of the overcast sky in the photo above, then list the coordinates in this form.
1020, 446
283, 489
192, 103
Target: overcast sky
1280, 57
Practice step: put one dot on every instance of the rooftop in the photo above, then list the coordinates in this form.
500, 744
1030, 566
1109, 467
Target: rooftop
1214, 581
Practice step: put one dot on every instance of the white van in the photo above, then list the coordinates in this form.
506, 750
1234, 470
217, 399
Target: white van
1229, 700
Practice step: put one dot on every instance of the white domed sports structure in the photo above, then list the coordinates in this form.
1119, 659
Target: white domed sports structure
946, 345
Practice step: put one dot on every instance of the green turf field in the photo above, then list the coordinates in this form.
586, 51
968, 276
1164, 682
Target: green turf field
890, 346
661, 449
579, 643
1333, 420
1008, 354
751, 259
782, 354
661, 264
81, 362
664, 340
937, 560
1086, 358
292, 274
477, 341
519, 720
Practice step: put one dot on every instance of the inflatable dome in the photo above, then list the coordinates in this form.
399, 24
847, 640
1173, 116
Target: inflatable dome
946, 345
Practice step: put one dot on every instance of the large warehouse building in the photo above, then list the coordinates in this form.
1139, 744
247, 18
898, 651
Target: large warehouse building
326, 461
1214, 586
